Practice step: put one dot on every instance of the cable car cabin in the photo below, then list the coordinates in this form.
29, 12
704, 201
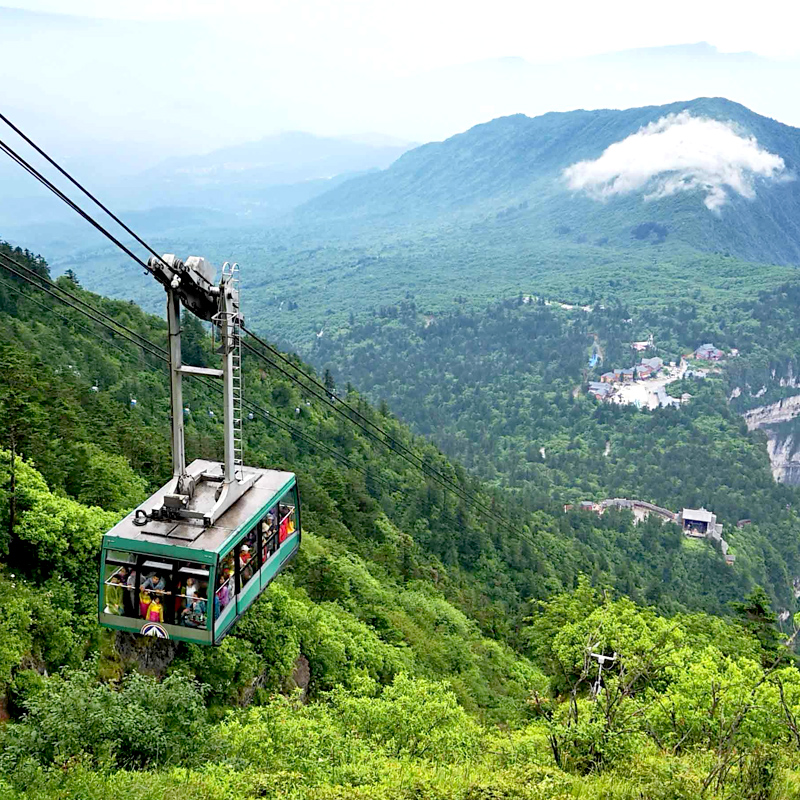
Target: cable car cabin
184, 580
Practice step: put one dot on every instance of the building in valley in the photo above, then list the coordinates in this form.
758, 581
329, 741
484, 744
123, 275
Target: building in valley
707, 352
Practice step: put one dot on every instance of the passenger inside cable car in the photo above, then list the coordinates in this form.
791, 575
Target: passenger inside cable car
154, 601
274, 528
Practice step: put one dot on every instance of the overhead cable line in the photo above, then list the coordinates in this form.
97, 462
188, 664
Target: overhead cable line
31, 170
392, 444
425, 469
399, 448
150, 347
337, 403
51, 283
421, 466
80, 186
454, 488
146, 344
51, 311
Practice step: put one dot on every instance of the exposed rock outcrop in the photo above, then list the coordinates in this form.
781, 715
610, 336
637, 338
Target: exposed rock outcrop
784, 457
151, 655
300, 678
783, 442
782, 411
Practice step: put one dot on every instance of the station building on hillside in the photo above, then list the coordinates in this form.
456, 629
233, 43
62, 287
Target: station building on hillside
697, 522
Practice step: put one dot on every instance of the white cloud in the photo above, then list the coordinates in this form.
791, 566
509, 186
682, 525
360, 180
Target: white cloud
679, 153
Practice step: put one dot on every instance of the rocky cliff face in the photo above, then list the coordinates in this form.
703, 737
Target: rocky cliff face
784, 457
781, 423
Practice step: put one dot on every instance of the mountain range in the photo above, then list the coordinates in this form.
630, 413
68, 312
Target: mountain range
698, 195
266, 176
516, 170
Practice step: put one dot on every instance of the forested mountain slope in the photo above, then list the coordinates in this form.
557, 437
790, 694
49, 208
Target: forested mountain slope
515, 167
696, 199
504, 391
421, 622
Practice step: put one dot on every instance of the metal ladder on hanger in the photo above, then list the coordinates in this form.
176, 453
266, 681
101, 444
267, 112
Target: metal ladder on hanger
232, 271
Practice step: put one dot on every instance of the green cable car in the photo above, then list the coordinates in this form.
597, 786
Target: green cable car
196, 555
182, 580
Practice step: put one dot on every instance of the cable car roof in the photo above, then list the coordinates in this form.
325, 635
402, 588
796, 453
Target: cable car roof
163, 537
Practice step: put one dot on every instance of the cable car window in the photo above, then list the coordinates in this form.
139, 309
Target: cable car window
156, 603
120, 557
248, 558
269, 534
118, 575
226, 586
191, 595
287, 524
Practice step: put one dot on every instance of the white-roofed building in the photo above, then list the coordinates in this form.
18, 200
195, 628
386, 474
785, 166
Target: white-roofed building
698, 522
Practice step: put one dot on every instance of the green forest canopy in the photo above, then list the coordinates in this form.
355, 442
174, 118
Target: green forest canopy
447, 654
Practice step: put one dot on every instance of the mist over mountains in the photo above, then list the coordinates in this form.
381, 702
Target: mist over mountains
105, 102
269, 175
242, 184
707, 173
700, 195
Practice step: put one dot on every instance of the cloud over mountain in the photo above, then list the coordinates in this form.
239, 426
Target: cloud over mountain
679, 153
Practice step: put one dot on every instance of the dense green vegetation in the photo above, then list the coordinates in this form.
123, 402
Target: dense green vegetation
503, 391
419, 647
326, 280
690, 706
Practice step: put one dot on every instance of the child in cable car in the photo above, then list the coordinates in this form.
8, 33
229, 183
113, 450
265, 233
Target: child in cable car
144, 603
155, 611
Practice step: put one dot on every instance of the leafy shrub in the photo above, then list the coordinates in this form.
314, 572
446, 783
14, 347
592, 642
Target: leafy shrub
141, 723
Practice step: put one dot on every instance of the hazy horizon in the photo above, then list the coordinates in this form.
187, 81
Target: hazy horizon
114, 90
184, 79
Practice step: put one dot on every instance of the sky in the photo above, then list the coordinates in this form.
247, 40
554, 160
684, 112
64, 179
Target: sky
425, 34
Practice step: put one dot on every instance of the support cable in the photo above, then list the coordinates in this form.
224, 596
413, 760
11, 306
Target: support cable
60, 316
150, 347
51, 283
146, 344
422, 467
80, 186
71, 203
417, 462
335, 404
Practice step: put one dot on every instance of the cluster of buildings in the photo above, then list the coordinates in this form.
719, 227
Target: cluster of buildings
623, 385
707, 352
647, 368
